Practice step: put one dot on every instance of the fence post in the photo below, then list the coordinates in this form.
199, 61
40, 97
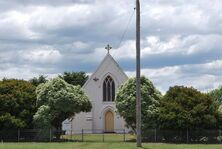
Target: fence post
187, 136
155, 134
124, 135
50, 135
220, 135
103, 136
82, 135
71, 134
18, 135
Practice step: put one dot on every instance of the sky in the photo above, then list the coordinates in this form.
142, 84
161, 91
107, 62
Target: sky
181, 40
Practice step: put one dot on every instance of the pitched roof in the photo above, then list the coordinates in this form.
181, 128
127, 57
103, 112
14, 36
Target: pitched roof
106, 57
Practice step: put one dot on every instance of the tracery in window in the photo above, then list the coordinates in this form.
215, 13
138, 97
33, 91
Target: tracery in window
108, 89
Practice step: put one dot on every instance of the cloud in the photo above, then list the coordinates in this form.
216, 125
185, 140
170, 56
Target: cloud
170, 17
25, 72
14, 25
204, 76
158, 52
41, 55
180, 40
80, 45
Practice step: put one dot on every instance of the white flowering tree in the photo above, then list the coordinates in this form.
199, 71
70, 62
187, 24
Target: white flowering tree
126, 103
57, 101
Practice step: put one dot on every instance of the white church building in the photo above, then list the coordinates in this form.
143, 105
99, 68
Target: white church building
101, 88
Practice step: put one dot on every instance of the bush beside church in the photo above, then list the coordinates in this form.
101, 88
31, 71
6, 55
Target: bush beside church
180, 108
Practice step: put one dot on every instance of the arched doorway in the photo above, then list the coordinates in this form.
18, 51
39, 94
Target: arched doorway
109, 121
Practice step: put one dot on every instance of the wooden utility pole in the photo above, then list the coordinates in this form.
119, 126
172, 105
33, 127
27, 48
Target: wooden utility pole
138, 94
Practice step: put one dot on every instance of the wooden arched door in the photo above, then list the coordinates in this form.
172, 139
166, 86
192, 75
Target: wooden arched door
109, 122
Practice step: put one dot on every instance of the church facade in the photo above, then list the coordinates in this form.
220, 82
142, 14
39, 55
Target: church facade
101, 88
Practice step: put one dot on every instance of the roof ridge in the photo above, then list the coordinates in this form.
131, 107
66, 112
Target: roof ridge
101, 63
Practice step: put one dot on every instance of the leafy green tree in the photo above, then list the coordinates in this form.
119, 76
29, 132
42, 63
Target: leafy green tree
36, 81
126, 102
57, 101
185, 107
220, 116
17, 104
41, 119
75, 78
217, 94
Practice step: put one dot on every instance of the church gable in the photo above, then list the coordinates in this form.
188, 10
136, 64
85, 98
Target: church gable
101, 88
108, 67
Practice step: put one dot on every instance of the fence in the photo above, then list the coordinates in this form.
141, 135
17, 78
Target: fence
26, 135
98, 135
49, 135
183, 136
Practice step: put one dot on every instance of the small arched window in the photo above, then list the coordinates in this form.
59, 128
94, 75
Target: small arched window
108, 89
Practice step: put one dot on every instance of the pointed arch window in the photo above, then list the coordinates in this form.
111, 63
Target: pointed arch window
108, 89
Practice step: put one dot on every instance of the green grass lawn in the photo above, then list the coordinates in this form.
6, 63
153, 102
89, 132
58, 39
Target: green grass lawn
106, 145
111, 141
100, 137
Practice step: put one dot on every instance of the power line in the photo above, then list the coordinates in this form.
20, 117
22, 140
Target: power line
126, 29
123, 35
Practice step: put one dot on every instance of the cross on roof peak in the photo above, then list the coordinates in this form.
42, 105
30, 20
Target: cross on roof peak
108, 47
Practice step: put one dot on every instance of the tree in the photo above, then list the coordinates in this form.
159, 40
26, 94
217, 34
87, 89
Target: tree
36, 81
74, 78
220, 116
57, 101
185, 107
17, 104
217, 94
126, 103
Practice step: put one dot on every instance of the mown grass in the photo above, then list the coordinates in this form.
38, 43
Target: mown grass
106, 145
101, 137
111, 141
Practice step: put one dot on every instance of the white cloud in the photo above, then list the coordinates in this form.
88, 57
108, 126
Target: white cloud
41, 55
14, 25
182, 45
201, 76
80, 45
182, 17
127, 50
25, 72
51, 36
153, 45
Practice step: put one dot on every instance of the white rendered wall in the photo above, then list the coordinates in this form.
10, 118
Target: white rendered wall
94, 91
